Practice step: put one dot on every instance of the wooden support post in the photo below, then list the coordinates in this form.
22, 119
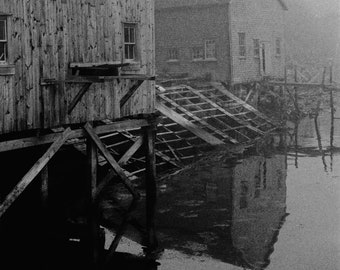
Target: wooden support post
93, 225
124, 179
112, 162
123, 160
44, 187
151, 188
332, 117
33, 172
296, 97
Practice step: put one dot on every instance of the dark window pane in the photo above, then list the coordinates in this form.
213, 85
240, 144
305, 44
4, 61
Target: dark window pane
132, 34
126, 50
2, 51
131, 52
126, 34
2, 30
242, 38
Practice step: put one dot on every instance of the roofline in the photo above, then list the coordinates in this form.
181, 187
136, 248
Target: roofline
283, 4
186, 4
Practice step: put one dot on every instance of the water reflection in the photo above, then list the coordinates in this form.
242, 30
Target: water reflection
228, 208
307, 137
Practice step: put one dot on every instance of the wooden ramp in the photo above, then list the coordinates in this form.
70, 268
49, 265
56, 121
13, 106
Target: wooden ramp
212, 113
191, 121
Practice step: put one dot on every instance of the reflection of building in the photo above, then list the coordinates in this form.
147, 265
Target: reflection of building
236, 41
232, 212
259, 206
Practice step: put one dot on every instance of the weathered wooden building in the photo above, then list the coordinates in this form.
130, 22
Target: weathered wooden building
73, 70
234, 41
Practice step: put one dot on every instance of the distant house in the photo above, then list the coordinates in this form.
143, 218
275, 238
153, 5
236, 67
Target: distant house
229, 40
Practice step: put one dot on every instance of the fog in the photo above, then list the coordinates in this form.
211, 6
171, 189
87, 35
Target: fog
313, 31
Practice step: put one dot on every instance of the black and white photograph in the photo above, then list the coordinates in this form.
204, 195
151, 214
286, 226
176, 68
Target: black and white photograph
170, 134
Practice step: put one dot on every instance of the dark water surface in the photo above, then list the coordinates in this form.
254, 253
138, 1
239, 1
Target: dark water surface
274, 209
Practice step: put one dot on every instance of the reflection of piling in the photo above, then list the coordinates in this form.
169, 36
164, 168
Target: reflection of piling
296, 133
317, 130
331, 99
318, 136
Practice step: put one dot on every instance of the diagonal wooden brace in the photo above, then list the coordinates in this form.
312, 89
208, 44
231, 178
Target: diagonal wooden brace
77, 98
129, 93
113, 163
34, 171
122, 161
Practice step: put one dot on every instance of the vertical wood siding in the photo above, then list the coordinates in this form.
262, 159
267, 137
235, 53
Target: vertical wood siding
46, 35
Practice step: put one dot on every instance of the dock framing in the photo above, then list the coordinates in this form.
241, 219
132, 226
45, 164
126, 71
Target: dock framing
90, 133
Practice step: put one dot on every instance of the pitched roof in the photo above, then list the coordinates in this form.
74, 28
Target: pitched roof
184, 3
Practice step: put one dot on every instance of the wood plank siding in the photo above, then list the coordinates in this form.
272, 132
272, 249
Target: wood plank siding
45, 36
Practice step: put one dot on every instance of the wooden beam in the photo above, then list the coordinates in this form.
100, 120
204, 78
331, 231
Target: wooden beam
130, 92
34, 171
92, 223
98, 64
241, 102
317, 85
198, 119
150, 188
77, 98
187, 124
113, 163
167, 158
238, 120
101, 79
77, 133
44, 187
132, 150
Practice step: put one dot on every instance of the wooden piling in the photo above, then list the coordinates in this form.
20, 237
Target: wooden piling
44, 187
331, 100
150, 187
93, 225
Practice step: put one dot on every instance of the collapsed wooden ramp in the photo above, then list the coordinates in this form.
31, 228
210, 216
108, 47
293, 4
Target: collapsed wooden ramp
212, 113
191, 121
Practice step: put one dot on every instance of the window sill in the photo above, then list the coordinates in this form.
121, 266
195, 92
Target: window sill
133, 65
205, 60
7, 70
172, 61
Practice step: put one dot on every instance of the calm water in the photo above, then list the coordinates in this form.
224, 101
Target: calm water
277, 209
273, 208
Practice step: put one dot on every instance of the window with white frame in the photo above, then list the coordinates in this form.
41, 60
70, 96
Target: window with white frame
173, 54
242, 44
197, 53
210, 49
130, 43
3, 39
278, 46
256, 48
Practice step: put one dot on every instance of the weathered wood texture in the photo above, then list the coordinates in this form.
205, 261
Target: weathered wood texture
46, 36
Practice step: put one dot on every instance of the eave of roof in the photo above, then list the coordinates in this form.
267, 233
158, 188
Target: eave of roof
160, 4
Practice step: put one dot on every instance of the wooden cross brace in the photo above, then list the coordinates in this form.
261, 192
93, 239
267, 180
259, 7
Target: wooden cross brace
120, 172
34, 171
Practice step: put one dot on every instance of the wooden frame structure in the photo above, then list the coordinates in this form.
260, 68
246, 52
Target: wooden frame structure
94, 146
